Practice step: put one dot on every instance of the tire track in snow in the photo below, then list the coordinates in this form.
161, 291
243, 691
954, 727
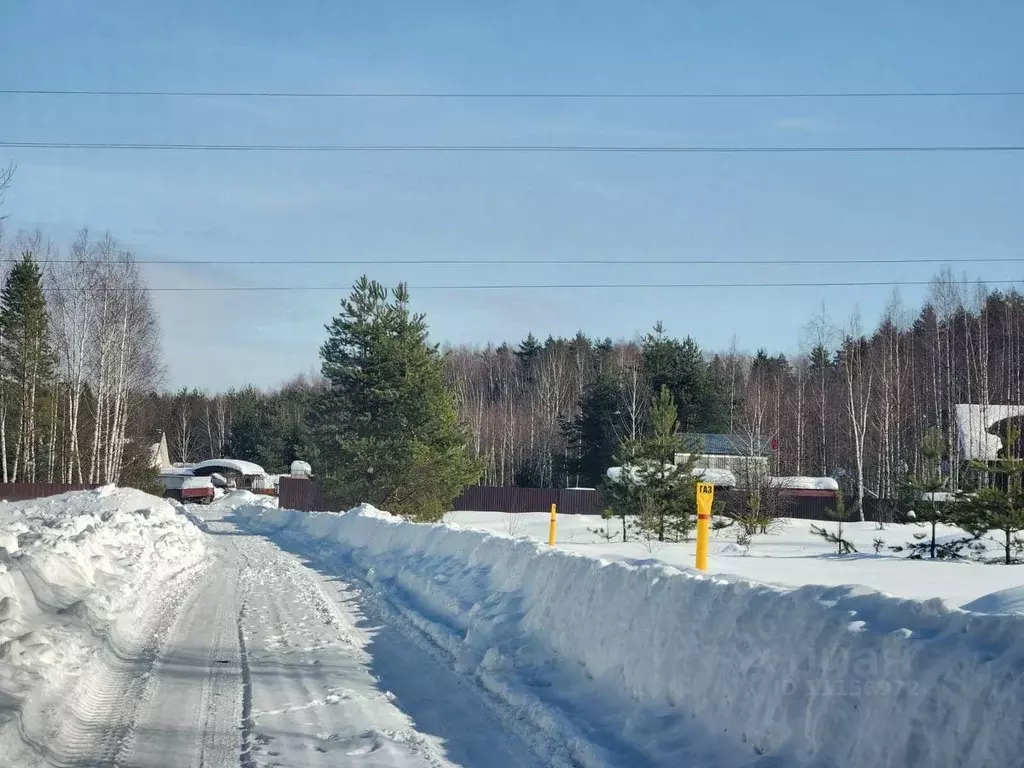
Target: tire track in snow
193, 710
475, 728
93, 726
245, 758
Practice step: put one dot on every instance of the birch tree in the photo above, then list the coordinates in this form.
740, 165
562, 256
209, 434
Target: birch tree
6, 174
125, 357
859, 380
71, 289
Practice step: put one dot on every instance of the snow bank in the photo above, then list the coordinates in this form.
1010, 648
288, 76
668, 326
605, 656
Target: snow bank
805, 483
1004, 601
69, 566
235, 500
658, 666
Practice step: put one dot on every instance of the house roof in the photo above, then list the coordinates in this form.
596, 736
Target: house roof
711, 444
973, 423
245, 468
719, 477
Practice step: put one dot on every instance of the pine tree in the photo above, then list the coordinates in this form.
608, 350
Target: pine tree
138, 470
297, 443
529, 350
658, 495
700, 399
839, 514
921, 491
26, 359
999, 507
623, 492
256, 431
387, 430
594, 432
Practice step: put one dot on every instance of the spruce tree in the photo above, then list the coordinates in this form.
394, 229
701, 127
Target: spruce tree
839, 514
922, 490
387, 430
297, 443
700, 398
26, 361
594, 431
999, 507
651, 490
257, 431
529, 350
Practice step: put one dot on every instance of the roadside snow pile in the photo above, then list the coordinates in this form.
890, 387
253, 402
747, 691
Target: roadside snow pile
656, 666
234, 500
69, 566
1004, 601
791, 555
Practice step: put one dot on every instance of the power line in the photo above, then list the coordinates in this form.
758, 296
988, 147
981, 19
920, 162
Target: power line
510, 148
561, 286
551, 262
424, 95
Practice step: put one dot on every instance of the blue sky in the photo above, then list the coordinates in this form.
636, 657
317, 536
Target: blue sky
497, 207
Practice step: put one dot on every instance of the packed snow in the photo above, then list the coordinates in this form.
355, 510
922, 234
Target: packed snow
245, 658
75, 570
132, 630
642, 664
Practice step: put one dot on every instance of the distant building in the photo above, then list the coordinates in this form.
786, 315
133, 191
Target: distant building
160, 456
301, 469
745, 457
982, 428
241, 474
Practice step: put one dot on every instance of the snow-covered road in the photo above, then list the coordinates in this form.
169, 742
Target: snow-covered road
251, 636
257, 659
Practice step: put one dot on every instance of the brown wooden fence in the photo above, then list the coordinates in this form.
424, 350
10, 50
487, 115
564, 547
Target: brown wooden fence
26, 491
309, 495
570, 501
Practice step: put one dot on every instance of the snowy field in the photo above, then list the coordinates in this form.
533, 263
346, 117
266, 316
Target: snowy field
792, 556
137, 633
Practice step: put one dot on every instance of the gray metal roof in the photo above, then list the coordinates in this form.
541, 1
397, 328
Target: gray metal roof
711, 444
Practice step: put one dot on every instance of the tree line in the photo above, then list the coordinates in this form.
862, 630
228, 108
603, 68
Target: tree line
853, 403
269, 428
79, 354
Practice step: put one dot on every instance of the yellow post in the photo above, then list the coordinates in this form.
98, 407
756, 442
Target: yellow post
705, 496
551, 527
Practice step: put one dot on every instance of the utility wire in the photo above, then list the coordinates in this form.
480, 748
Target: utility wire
559, 286
511, 148
608, 95
552, 262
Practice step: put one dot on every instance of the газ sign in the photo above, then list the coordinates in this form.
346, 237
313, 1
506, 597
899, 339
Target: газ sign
705, 497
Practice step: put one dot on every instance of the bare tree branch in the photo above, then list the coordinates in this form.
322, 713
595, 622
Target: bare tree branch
6, 174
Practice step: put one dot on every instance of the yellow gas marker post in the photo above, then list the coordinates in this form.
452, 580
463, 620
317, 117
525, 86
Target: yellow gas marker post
551, 528
705, 497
